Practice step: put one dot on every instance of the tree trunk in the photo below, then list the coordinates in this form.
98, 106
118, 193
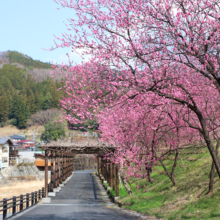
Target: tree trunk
171, 175
204, 131
208, 141
128, 189
174, 167
148, 175
212, 172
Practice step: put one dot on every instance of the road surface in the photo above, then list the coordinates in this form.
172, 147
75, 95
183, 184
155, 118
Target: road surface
79, 199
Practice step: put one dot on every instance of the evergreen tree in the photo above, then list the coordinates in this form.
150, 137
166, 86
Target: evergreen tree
37, 100
31, 103
47, 101
23, 96
23, 112
4, 108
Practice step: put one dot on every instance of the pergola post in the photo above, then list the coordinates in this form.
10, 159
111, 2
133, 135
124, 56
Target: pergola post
71, 165
113, 176
65, 167
56, 170
62, 169
52, 172
98, 165
103, 168
68, 166
117, 179
110, 181
46, 173
106, 171
101, 162
58, 175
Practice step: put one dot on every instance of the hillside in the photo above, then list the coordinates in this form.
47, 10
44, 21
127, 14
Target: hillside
26, 61
39, 70
189, 199
25, 88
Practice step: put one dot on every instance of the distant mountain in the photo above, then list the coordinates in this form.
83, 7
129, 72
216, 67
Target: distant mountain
25, 89
39, 70
14, 57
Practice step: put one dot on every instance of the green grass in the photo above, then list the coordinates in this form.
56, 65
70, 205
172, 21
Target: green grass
187, 200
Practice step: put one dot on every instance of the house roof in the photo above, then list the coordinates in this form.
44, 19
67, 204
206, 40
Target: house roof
26, 141
17, 137
5, 140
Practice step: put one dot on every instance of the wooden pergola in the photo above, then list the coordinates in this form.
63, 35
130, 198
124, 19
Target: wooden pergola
62, 155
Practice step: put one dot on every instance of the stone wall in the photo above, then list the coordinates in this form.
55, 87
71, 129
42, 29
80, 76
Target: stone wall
21, 173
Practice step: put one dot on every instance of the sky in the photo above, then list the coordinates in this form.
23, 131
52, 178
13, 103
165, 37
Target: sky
29, 26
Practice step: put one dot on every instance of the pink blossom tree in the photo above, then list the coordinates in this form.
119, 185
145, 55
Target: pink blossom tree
169, 48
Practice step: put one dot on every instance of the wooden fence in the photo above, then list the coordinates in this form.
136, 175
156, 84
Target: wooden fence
17, 204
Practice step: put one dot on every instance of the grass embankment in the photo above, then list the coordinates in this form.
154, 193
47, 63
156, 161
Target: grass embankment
187, 200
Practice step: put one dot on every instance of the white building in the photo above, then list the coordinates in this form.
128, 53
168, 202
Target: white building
4, 152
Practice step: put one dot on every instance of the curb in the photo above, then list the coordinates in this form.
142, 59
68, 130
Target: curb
114, 205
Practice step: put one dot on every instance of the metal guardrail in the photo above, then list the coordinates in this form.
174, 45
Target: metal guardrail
17, 204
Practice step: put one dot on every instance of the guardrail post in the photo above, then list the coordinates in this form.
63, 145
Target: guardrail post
39, 194
27, 200
32, 199
35, 197
14, 206
42, 195
5, 209
21, 203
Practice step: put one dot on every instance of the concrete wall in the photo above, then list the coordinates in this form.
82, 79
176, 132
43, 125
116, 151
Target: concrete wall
28, 155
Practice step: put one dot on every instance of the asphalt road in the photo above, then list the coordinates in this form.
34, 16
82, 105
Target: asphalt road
80, 199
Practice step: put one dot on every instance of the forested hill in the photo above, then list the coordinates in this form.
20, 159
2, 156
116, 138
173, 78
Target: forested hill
19, 58
39, 70
21, 95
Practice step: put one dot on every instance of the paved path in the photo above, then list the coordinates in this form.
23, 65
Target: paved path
80, 199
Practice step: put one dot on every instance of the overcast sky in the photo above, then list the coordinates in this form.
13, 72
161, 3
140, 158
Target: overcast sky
28, 26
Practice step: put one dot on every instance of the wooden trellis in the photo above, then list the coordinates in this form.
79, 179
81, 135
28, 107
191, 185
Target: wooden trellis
62, 155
